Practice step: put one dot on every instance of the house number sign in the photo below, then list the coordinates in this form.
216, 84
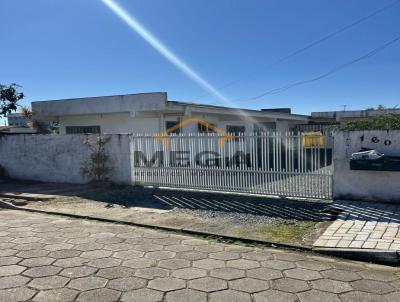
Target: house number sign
376, 140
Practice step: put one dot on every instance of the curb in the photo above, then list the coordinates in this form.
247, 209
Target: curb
219, 237
367, 255
25, 197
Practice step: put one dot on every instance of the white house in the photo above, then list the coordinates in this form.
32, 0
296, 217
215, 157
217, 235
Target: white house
17, 119
152, 113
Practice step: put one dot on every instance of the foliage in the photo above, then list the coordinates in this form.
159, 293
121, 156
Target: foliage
9, 97
295, 232
97, 167
40, 127
381, 107
26, 111
383, 122
32, 123
54, 131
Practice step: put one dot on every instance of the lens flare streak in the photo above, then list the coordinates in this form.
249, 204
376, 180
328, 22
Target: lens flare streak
163, 50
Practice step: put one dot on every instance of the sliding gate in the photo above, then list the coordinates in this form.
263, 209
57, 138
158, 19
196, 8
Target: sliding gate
283, 164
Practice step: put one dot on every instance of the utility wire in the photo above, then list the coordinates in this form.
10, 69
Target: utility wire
326, 74
312, 44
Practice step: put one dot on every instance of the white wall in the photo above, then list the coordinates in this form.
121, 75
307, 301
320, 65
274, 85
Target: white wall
365, 185
96, 105
117, 123
58, 158
222, 121
123, 123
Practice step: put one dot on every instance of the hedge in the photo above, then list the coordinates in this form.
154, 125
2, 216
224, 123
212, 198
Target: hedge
383, 122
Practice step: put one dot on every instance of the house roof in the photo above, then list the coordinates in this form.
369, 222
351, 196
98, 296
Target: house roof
276, 113
15, 114
100, 105
141, 102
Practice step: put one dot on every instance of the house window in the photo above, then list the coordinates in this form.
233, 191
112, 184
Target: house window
265, 127
171, 124
236, 131
82, 129
205, 128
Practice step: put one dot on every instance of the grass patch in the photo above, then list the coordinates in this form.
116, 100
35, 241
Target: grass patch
295, 233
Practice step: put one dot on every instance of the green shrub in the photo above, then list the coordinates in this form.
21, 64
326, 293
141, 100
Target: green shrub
383, 122
97, 167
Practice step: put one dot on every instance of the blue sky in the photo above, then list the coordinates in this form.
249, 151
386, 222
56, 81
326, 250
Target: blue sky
72, 48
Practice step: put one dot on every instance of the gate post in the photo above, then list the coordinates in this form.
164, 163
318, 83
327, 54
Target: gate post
131, 158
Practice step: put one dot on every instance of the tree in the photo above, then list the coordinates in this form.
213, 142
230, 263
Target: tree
33, 123
382, 122
381, 107
26, 111
9, 97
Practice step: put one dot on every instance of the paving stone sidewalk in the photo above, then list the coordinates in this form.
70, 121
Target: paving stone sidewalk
48, 258
363, 225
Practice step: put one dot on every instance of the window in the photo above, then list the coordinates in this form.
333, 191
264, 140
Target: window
170, 124
269, 126
236, 130
82, 129
265, 127
205, 128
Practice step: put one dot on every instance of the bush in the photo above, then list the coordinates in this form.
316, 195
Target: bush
97, 167
383, 122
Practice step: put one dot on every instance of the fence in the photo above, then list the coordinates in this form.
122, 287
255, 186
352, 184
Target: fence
284, 164
324, 128
281, 164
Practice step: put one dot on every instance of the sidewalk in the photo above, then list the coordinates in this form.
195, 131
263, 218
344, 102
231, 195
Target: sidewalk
363, 227
53, 258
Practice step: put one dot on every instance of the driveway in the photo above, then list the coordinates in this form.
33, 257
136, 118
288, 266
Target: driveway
48, 258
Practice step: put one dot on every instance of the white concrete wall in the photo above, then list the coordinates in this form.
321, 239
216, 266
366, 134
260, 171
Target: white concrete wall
365, 185
222, 121
98, 105
124, 123
117, 123
58, 158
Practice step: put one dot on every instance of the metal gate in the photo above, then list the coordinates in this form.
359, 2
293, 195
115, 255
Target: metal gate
283, 164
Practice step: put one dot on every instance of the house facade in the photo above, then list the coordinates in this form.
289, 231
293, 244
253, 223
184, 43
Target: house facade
17, 119
153, 112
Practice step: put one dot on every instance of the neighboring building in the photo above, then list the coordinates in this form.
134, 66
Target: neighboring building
17, 119
152, 112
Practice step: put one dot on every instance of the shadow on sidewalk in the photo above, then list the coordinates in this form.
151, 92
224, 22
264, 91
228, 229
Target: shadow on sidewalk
167, 199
